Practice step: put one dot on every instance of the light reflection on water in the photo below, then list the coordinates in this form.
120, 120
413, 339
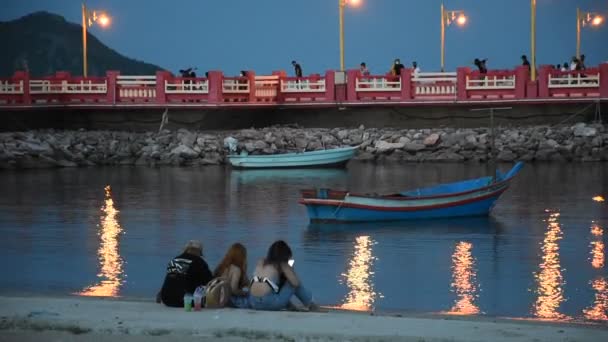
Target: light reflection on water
359, 277
599, 310
111, 263
550, 280
464, 280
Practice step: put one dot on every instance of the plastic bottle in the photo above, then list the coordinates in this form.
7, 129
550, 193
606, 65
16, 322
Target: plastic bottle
188, 302
198, 298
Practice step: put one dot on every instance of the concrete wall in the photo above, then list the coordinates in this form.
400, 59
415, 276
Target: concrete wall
142, 119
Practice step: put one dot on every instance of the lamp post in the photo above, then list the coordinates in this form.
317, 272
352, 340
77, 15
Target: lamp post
341, 5
448, 17
88, 19
584, 19
533, 40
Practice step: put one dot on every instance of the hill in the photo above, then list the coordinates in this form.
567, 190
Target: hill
47, 43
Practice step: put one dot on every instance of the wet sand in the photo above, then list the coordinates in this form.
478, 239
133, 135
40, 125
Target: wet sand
116, 320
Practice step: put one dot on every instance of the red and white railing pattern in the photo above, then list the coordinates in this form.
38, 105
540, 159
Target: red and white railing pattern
434, 84
163, 88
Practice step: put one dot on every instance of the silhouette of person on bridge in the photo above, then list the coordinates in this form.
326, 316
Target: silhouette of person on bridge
481, 65
297, 68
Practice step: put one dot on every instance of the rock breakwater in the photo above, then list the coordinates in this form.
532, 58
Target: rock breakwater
57, 148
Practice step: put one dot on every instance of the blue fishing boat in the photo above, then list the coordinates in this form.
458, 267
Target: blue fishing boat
474, 197
323, 158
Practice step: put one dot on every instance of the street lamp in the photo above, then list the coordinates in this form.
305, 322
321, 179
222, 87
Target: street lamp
533, 40
88, 19
341, 5
448, 17
584, 19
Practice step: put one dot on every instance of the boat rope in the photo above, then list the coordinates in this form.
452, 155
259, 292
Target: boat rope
340, 206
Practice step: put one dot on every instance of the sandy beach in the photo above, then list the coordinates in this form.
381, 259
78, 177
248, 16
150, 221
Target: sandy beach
87, 319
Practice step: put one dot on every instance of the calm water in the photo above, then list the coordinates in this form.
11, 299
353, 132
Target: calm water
111, 231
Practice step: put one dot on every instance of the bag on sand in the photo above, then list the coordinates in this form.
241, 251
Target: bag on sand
217, 293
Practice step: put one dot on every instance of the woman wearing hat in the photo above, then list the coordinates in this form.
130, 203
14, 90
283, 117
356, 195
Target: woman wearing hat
185, 273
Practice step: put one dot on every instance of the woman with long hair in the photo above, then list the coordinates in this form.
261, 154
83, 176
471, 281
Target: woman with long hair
233, 268
275, 281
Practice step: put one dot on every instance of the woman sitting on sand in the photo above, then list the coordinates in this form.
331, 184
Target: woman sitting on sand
275, 281
233, 268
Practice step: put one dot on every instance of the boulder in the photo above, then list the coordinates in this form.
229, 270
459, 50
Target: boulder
431, 140
33, 147
184, 151
413, 147
342, 134
249, 147
260, 145
581, 130
506, 156
383, 146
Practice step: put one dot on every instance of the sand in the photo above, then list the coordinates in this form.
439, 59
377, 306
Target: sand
93, 319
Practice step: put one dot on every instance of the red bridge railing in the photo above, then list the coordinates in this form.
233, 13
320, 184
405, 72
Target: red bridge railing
350, 88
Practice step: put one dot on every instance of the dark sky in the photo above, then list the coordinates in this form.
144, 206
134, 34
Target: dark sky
265, 35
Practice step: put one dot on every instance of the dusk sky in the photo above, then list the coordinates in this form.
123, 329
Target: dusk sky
265, 35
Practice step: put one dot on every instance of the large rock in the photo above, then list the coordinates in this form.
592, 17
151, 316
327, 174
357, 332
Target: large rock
184, 151
384, 146
37, 148
301, 143
342, 134
260, 145
186, 138
548, 144
506, 156
431, 140
446, 156
413, 147
582, 130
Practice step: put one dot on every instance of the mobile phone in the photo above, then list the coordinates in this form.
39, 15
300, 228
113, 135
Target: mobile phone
291, 262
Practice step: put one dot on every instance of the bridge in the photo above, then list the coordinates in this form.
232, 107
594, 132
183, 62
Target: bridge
414, 92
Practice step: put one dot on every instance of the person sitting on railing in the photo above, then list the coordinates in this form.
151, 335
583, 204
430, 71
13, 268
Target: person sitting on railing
481, 65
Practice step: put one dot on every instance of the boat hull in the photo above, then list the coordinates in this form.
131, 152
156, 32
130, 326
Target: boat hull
480, 206
475, 197
315, 159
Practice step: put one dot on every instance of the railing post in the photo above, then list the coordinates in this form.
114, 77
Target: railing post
330, 86
461, 83
161, 77
25, 77
216, 79
281, 74
522, 76
543, 81
112, 91
406, 84
252, 87
603, 80
351, 85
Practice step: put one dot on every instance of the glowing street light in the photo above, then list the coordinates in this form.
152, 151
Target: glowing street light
448, 17
341, 5
88, 19
584, 19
